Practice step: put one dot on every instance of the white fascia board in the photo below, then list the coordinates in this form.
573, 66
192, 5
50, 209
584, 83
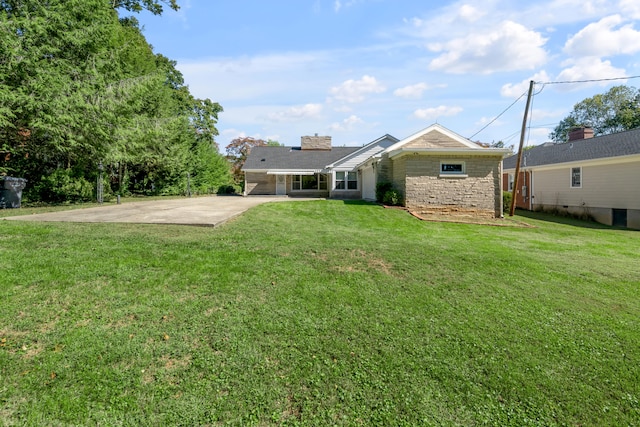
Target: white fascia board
479, 152
363, 148
593, 162
293, 172
441, 129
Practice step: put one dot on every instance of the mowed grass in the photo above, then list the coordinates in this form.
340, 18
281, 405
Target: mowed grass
320, 313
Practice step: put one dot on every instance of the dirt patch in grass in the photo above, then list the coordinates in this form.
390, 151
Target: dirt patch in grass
362, 261
466, 218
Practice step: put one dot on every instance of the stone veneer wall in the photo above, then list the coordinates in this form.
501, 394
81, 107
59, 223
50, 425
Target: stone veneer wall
259, 183
478, 193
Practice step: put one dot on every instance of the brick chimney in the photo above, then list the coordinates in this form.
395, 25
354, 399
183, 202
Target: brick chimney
576, 134
315, 142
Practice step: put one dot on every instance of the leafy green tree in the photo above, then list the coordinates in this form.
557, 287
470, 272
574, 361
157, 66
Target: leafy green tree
616, 110
153, 6
79, 87
54, 61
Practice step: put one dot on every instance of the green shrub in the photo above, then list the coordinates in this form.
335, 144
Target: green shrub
381, 190
64, 185
392, 198
507, 196
226, 189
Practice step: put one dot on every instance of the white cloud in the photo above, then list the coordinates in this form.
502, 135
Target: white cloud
232, 133
485, 120
437, 112
297, 113
508, 47
412, 91
353, 91
589, 68
630, 8
515, 90
346, 124
469, 13
604, 38
338, 5
537, 136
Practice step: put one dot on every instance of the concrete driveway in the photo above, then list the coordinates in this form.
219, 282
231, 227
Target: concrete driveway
204, 211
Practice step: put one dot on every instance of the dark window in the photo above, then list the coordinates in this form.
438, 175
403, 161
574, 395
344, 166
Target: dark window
346, 180
452, 168
576, 177
309, 182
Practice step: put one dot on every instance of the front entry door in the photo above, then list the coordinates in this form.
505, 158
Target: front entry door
281, 185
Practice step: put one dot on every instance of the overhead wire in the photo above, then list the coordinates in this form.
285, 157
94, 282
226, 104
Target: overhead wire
498, 116
589, 81
543, 84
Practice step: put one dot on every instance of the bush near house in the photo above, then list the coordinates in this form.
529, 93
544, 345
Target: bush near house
392, 198
507, 197
381, 190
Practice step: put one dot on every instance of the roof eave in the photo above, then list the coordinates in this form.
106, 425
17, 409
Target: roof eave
480, 152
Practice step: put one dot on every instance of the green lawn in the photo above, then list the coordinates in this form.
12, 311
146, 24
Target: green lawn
320, 313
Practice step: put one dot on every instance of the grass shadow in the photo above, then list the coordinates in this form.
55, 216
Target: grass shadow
358, 202
566, 220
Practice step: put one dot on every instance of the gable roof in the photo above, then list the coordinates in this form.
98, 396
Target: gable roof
268, 158
440, 140
364, 153
600, 147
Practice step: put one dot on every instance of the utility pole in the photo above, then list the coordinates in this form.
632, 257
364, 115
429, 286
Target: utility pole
522, 133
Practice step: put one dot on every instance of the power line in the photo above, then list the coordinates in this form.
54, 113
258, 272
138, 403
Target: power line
588, 81
498, 116
542, 88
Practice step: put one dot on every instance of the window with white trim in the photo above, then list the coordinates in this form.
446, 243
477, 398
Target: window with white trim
346, 180
510, 182
316, 181
452, 168
576, 177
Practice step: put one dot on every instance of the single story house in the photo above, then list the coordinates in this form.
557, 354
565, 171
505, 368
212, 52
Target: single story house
433, 169
591, 176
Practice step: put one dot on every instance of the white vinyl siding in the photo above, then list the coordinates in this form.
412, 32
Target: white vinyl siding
603, 186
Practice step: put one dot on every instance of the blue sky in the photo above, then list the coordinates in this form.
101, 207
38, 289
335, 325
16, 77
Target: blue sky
359, 69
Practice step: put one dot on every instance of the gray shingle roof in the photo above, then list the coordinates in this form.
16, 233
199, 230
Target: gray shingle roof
600, 147
269, 157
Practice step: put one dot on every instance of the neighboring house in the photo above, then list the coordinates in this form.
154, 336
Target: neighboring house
433, 169
591, 176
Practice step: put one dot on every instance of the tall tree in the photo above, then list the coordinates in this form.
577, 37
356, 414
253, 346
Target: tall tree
79, 87
238, 150
616, 110
153, 6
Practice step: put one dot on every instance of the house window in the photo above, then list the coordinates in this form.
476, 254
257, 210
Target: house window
576, 177
452, 168
316, 181
346, 180
510, 182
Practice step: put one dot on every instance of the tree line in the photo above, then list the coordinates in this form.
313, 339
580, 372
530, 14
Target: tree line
81, 89
616, 110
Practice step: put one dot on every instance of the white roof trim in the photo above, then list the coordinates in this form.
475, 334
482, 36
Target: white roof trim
450, 151
603, 161
293, 172
363, 148
439, 128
